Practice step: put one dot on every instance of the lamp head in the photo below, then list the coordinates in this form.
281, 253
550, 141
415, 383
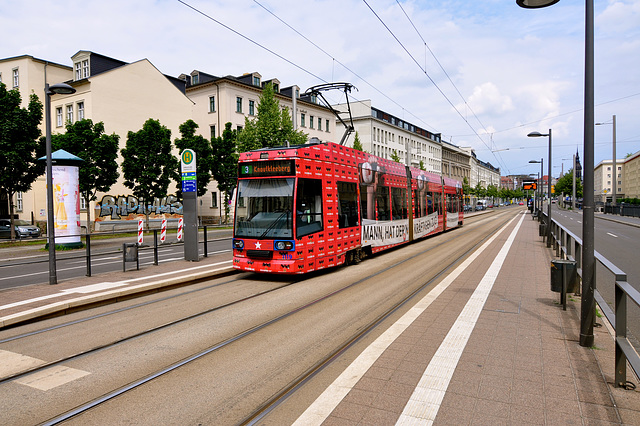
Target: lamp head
536, 134
535, 161
61, 89
535, 4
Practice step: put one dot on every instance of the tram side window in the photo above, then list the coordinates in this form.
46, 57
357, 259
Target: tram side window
437, 197
431, 207
420, 203
347, 205
399, 200
382, 203
308, 207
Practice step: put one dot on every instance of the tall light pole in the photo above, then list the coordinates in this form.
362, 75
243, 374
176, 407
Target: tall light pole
588, 306
60, 89
615, 171
537, 135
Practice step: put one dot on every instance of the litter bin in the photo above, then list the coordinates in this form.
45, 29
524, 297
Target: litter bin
542, 231
567, 268
129, 254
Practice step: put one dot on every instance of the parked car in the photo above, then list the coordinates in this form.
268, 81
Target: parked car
23, 229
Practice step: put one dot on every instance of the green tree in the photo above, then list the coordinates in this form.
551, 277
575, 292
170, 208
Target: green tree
202, 147
565, 184
148, 165
421, 165
99, 170
272, 126
395, 157
480, 191
356, 142
225, 164
19, 146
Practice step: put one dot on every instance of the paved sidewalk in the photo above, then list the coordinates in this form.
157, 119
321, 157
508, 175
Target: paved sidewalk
522, 363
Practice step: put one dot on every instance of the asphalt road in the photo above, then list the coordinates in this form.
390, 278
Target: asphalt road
27, 265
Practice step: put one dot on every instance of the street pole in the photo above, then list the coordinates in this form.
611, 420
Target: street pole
573, 194
615, 170
53, 276
588, 308
549, 196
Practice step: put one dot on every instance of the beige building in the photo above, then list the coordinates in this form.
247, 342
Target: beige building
122, 95
456, 162
125, 95
381, 134
632, 175
27, 75
604, 178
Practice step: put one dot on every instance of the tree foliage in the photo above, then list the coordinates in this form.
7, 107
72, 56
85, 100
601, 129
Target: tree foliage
357, 144
395, 157
148, 165
272, 126
204, 160
19, 146
99, 170
565, 184
225, 163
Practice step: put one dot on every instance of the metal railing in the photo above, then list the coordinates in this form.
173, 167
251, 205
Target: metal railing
569, 246
90, 256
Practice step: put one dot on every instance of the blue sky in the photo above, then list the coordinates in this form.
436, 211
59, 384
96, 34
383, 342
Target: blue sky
513, 70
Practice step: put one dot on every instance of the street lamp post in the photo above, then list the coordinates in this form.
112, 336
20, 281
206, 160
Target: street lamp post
588, 306
60, 89
536, 135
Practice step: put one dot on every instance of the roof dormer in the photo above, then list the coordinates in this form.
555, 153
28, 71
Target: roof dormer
81, 65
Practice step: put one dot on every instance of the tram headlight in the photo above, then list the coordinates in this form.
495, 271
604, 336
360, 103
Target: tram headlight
283, 245
238, 244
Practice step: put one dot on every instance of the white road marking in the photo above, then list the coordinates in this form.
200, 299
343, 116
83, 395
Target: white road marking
12, 363
52, 377
322, 407
424, 403
613, 235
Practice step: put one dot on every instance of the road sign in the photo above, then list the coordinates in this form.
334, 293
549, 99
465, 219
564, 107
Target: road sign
188, 169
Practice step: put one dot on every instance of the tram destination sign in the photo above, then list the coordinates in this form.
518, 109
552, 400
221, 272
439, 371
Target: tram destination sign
267, 168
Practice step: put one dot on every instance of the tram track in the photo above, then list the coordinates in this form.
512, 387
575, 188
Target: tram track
271, 403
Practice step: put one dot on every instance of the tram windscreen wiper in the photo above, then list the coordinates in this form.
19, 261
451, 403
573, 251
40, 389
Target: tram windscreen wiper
284, 213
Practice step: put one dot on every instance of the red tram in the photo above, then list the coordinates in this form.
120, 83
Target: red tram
319, 205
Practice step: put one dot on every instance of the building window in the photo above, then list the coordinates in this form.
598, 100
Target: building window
214, 200
16, 78
82, 69
319, 123
195, 79
239, 128
302, 120
59, 121
326, 125
0, 77
80, 110
70, 113
238, 104
256, 81
19, 203
212, 104
311, 121
212, 130
83, 203
251, 107
276, 88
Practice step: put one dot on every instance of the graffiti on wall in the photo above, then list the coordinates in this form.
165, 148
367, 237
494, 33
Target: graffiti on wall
122, 206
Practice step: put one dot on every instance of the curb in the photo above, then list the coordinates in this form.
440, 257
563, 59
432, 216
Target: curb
111, 295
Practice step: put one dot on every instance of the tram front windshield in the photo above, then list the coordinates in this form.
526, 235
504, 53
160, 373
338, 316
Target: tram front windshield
264, 208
